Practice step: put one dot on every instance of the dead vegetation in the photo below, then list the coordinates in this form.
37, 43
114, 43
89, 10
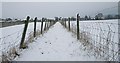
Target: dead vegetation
13, 52
102, 42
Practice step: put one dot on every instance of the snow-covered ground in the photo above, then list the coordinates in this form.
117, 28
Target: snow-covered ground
11, 36
57, 44
102, 34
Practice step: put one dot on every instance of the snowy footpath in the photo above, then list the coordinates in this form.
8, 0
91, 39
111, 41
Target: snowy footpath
57, 44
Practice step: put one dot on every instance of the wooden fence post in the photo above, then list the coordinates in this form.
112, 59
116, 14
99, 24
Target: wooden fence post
35, 26
22, 45
45, 26
42, 25
62, 23
78, 17
65, 23
69, 23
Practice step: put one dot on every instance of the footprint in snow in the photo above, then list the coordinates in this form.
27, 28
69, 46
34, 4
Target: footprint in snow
72, 42
42, 53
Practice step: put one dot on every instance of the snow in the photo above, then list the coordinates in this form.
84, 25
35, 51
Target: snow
57, 44
97, 32
11, 36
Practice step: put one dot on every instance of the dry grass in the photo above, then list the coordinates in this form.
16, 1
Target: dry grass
11, 54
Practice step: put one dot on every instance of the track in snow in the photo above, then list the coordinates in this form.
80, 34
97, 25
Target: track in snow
56, 45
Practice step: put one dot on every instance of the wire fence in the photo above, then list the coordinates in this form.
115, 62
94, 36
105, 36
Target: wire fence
10, 42
99, 38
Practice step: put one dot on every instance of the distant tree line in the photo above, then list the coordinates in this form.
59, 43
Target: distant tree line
65, 19
9, 19
100, 16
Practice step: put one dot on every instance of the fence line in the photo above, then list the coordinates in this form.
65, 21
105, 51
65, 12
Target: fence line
100, 37
11, 42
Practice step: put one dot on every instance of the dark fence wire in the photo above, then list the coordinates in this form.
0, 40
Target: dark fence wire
102, 38
12, 41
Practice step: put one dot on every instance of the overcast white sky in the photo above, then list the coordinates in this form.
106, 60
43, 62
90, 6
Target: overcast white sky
52, 8
0, 9
59, 0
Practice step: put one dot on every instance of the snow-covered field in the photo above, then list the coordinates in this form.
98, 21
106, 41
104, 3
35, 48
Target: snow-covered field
57, 44
102, 35
11, 36
101, 38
